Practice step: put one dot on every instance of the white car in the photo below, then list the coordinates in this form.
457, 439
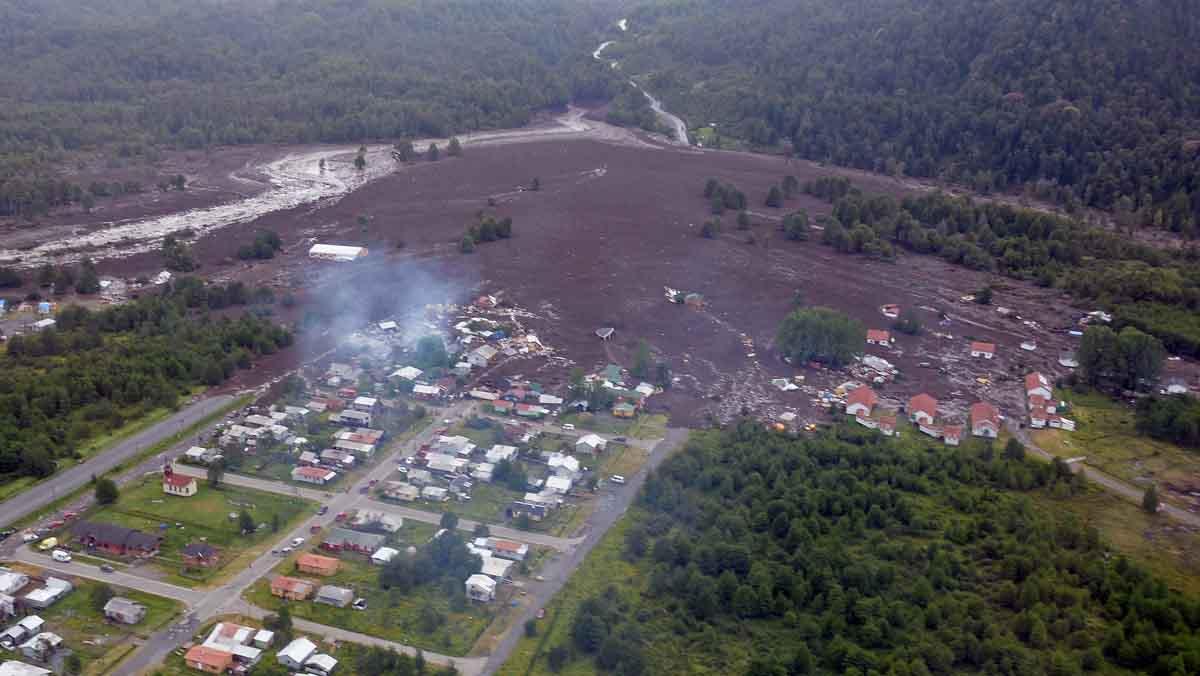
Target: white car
568, 427
296, 542
28, 536
61, 555
617, 479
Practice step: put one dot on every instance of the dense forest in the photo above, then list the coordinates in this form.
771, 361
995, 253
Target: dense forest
763, 554
131, 77
1091, 103
94, 371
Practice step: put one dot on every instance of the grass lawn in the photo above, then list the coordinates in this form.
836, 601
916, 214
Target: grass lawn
649, 427
100, 642
1107, 437
622, 459
204, 516
602, 423
390, 614
1158, 543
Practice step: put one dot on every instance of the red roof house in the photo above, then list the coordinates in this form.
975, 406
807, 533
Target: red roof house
861, 401
985, 420
985, 350
922, 409
878, 337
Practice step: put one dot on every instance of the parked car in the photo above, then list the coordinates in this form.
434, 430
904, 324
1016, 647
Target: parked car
28, 536
106, 568
61, 555
285, 550
296, 542
568, 427
617, 479
322, 509
359, 604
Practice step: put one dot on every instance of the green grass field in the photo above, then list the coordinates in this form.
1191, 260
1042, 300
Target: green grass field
390, 614
202, 517
642, 427
102, 643
1107, 437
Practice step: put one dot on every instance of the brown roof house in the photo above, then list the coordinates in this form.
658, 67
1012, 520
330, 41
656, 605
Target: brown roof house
208, 660
984, 350
291, 588
315, 564
200, 555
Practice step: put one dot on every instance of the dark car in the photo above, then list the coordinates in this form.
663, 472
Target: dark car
322, 509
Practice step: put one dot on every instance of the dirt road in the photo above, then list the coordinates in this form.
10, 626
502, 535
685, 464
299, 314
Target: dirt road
1106, 481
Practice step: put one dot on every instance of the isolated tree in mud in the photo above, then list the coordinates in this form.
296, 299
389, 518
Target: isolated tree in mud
774, 197
89, 280
454, 148
404, 151
642, 362
791, 186
743, 220
822, 335
433, 154
1150, 499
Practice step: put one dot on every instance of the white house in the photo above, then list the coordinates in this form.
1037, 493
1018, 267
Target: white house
366, 404
321, 664
296, 653
985, 420
861, 402
501, 452
591, 444
383, 555
483, 471
982, 349
481, 356
18, 668
1036, 384
565, 465
313, 475
559, 484
496, 567
407, 373
481, 588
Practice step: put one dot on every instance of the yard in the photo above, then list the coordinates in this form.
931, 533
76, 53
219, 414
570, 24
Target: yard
204, 517
644, 426
100, 642
1107, 438
422, 618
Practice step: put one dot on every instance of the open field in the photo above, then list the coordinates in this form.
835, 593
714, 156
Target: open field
202, 517
390, 614
1106, 436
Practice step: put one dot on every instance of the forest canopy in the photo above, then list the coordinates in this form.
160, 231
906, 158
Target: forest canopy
762, 554
133, 76
1089, 103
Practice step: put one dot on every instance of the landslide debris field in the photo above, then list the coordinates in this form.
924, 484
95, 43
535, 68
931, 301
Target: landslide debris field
611, 225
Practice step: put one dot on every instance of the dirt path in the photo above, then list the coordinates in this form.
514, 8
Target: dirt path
1106, 481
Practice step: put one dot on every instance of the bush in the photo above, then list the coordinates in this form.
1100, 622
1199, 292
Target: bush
821, 335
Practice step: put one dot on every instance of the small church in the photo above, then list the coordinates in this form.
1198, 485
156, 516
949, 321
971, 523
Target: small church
177, 484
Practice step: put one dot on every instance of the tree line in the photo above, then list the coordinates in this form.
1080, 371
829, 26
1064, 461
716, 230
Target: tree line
132, 78
765, 554
1088, 104
94, 371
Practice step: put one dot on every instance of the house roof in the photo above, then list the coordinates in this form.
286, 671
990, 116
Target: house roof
984, 412
120, 604
863, 395
980, 346
314, 473
114, 535
1035, 380
291, 584
507, 545
952, 431
878, 335
335, 593
483, 581
178, 480
201, 550
887, 421
299, 650
345, 536
923, 403
217, 659
317, 561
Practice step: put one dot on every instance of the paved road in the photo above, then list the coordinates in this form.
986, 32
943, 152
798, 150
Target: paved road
86, 570
558, 570
1106, 481
64, 482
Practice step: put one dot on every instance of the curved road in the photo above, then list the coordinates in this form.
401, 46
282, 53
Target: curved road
62, 483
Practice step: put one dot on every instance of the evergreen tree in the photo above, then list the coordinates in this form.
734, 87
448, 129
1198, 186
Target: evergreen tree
106, 491
432, 154
774, 197
1150, 499
454, 149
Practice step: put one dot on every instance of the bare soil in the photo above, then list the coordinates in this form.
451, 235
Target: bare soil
611, 226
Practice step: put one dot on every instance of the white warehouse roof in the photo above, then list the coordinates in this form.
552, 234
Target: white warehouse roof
337, 252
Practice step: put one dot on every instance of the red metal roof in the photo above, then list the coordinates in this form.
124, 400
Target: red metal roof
923, 403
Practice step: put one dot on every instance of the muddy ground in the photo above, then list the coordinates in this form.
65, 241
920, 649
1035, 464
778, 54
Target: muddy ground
214, 176
611, 226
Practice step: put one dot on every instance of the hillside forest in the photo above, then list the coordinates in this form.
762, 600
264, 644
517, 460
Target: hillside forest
96, 370
1088, 103
763, 554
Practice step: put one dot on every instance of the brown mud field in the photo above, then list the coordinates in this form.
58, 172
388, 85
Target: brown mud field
611, 226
